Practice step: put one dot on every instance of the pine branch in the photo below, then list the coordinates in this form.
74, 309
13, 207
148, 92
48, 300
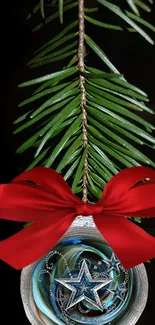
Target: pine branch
86, 120
81, 56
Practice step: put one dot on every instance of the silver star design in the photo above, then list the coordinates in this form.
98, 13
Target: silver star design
113, 263
117, 291
84, 287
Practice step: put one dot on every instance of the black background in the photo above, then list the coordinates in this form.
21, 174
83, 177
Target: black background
133, 57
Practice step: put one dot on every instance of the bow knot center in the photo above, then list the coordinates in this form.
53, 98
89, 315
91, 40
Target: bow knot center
88, 209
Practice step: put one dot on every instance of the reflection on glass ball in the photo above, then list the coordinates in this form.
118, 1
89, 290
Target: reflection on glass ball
81, 281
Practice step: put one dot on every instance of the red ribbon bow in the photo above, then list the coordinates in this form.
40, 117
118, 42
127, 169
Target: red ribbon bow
52, 207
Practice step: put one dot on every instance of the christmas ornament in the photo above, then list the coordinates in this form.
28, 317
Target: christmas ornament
90, 276
81, 281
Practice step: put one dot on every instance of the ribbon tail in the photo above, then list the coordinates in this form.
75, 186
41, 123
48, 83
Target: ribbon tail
131, 244
35, 241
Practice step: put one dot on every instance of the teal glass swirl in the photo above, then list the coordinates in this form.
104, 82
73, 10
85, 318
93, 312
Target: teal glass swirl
81, 281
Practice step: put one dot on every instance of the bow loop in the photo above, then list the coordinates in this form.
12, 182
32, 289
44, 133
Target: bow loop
88, 209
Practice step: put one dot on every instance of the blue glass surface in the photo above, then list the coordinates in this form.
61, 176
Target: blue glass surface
81, 281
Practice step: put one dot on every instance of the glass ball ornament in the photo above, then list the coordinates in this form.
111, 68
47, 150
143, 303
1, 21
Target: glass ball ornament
81, 281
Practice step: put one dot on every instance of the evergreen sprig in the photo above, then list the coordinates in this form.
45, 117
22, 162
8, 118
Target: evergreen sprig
85, 120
